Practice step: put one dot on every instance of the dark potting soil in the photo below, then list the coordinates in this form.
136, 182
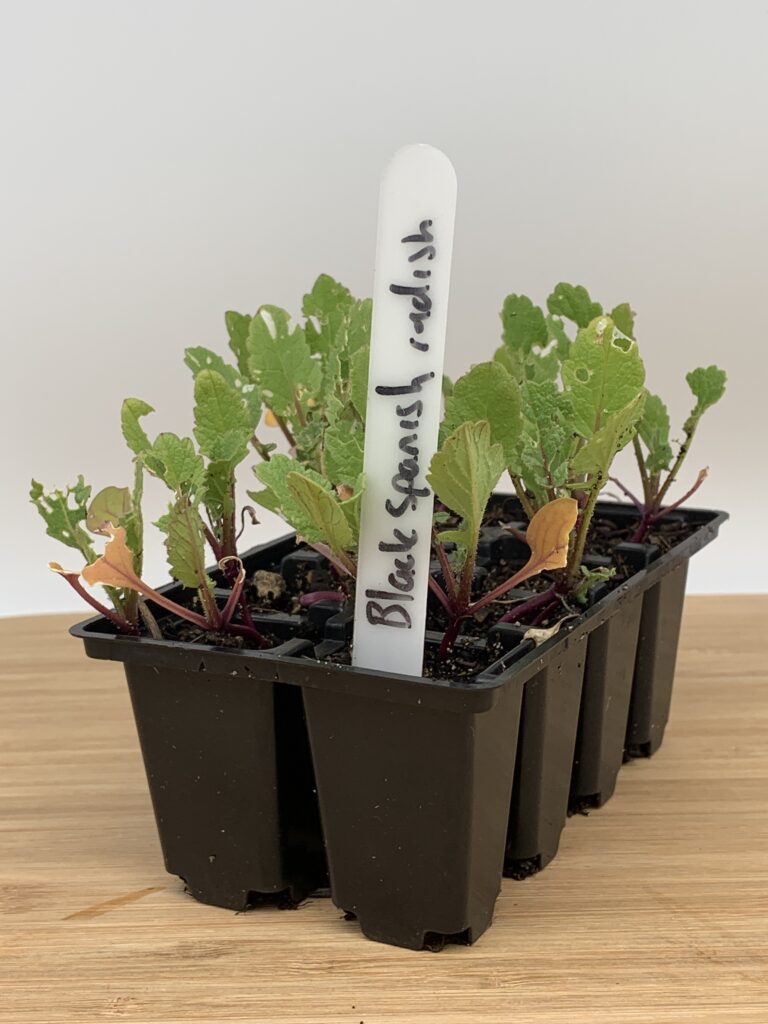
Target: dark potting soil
269, 593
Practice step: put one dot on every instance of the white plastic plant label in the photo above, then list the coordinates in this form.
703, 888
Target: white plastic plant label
417, 206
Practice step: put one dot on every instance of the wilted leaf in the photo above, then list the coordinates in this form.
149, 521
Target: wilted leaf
108, 507
540, 636
573, 302
115, 567
547, 536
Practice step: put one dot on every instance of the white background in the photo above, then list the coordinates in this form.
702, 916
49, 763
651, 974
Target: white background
166, 161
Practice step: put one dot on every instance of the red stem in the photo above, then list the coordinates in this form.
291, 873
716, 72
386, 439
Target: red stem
532, 604
117, 620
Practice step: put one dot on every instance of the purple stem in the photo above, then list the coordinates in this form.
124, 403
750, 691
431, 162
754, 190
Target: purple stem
635, 501
531, 605
321, 595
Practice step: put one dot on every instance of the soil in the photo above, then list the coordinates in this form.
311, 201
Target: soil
271, 595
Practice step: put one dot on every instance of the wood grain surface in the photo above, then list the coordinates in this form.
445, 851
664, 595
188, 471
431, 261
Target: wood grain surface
655, 909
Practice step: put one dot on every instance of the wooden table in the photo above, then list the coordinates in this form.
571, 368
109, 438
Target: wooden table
654, 910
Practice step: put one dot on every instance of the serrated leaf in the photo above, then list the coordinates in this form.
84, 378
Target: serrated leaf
280, 361
176, 462
358, 326
523, 324
602, 375
199, 359
63, 511
653, 429
486, 392
545, 438
329, 303
218, 489
513, 362
322, 512
222, 423
624, 317
343, 452
573, 302
108, 506
358, 380
278, 497
185, 544
558, 334
595, 457
463, 474
132, 411
351, 509
237, 329
708, 386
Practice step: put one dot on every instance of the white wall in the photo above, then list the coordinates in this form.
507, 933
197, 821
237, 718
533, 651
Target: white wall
170, 160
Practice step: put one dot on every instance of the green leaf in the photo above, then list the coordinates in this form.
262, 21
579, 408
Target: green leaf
545, 439
590, 578
329, 303
185, 545
237, 328
343, 452
222, 423
199, 359
523, 324
447, 386
560, 336
654, 433
130, 414
280, 360
108, 506
602, 375
573, 302
358, 380
351, 509
278, 497
617, 430
218, 489
358, 328
176, 462
133, 521
322, 511
63, 511
512, 361
708, 386
624, 317
463, 474
487, 392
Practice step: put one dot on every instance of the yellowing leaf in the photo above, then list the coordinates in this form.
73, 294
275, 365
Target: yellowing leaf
115, 567
109, 506
57, 567
547, 536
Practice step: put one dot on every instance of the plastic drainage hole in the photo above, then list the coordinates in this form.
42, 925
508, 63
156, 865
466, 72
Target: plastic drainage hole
583, 804
434, 942
201, 667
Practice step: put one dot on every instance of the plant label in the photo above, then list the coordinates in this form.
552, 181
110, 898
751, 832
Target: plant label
417, 206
